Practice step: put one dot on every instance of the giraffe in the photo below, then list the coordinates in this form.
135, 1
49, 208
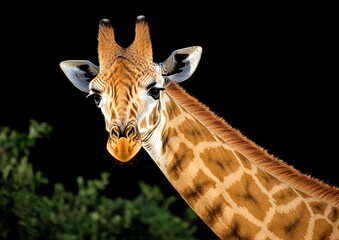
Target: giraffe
235, 186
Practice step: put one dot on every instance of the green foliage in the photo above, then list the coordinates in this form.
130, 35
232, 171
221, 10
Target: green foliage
86, 214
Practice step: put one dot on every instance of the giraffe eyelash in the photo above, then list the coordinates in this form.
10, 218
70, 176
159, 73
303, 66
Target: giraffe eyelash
155, 92
96, 98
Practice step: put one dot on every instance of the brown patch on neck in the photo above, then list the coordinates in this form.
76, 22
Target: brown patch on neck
250, 150
201, 184
195, 132
292, 224
221, 162
183, 157
240, 228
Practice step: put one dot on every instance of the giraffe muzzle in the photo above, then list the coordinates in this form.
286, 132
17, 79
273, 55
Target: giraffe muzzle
124, 142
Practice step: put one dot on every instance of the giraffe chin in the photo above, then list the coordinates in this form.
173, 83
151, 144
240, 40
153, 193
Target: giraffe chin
123, 149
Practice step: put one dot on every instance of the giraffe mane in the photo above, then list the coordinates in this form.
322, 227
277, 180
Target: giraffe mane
256, 154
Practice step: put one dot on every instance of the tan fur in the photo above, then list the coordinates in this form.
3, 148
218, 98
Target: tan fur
252, 151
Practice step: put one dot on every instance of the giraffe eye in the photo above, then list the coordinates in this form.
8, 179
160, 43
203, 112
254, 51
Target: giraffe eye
96, 98
155, 92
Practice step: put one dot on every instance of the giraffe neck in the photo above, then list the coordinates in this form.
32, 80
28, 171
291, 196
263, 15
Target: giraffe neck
235, 196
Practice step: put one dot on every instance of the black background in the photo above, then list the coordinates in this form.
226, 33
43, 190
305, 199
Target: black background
269, 70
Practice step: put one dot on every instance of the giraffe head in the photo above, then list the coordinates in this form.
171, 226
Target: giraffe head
127, 85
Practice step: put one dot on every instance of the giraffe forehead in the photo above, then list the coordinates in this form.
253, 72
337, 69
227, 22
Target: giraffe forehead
125, 73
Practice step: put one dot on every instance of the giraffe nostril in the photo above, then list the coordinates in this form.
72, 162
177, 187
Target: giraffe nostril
130, 131
115, 132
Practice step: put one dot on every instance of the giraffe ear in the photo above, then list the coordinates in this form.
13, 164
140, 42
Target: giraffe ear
181, 64
79, 72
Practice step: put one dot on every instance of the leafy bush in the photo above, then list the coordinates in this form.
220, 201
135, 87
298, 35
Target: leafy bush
85, 214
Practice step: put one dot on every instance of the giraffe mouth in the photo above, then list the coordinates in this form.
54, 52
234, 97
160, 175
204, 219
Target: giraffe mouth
124, 149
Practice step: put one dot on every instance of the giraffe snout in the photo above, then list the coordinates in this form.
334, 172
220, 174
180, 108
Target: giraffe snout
124, 141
